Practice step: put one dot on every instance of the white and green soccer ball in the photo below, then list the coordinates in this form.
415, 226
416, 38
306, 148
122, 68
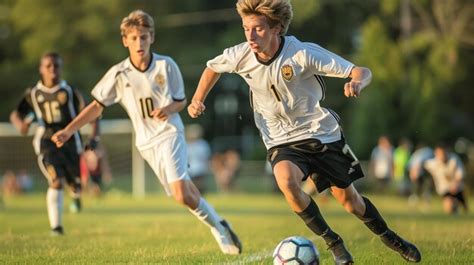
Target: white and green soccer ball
296, 250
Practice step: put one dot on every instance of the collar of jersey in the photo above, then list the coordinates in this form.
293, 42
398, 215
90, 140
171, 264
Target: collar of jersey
53, 89
282, 43
152, 56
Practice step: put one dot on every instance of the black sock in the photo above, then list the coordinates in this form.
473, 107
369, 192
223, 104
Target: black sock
314, 220
372, 218
77, 202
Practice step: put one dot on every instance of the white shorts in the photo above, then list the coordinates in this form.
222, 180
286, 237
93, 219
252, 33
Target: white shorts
169, 161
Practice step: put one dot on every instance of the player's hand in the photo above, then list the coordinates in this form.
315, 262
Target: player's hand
196, 108
160, 114
352, 89
61, 137
24, 128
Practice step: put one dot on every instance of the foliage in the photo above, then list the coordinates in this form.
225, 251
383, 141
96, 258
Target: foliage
417, 69
420, 58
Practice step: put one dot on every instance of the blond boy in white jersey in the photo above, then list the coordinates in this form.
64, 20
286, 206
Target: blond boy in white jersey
150, 88
303, 139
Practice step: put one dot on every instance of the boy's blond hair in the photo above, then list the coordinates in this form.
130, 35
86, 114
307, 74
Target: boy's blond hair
276, 11
137, 18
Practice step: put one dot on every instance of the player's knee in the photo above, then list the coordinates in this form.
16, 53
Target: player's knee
56, 184
186, 198
287, 185
350, 208
179, 197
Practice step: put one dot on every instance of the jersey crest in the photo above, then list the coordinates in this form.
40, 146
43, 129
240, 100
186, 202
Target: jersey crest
62, 97
160, 80
287, 72
40, 98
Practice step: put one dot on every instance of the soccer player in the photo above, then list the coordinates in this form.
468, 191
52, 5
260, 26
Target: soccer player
419, 177
447, 171
53, 103
303, 139
381, 163
150, 88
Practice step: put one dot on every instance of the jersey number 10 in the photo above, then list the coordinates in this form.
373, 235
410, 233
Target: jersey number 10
146, 105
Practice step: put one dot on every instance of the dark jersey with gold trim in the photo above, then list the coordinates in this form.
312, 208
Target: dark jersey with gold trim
53, 108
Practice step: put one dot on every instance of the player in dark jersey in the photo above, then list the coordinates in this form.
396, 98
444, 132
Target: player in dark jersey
53, 104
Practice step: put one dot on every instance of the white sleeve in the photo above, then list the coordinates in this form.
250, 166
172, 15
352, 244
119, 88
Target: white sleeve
226, 62
323, 62
105, 91
175, 81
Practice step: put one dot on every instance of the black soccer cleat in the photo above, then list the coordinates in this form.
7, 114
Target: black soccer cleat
339, 252
75, 206
407, 250
57, 231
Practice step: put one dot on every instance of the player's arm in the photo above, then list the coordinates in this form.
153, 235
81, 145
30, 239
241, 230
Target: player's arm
22, 125
88, 114
162, 114
360, 78
206, 83
79, 105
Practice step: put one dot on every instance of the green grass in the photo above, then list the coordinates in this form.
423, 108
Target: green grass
120, 229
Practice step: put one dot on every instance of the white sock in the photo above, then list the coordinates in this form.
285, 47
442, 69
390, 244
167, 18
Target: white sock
206, 214
54, 203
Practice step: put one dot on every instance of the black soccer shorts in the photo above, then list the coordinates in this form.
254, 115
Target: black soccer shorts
330, 164
61, 163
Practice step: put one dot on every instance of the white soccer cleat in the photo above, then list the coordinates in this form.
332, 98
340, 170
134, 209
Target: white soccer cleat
227, 240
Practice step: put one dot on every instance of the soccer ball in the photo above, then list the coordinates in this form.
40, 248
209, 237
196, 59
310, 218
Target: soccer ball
296, 250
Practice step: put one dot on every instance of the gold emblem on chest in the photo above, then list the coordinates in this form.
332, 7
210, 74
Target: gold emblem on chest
287, 72
62, 97
160, 80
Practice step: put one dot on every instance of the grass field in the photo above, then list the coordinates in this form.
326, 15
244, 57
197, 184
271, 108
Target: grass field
120, 229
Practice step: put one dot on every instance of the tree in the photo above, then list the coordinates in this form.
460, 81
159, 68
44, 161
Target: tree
417, 70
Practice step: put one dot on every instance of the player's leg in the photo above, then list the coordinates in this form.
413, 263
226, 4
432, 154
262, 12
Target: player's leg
185, 192
70, 161
449, 204
54, 195
169, 162
363, 208
75, 187
288, 177
461, 199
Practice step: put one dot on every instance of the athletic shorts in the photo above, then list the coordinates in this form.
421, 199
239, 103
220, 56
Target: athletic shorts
330, 164
58, 163
458, 195
169, 160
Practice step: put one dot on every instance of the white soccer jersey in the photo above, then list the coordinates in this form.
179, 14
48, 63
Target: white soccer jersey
286, 91
141, 92
445, 174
